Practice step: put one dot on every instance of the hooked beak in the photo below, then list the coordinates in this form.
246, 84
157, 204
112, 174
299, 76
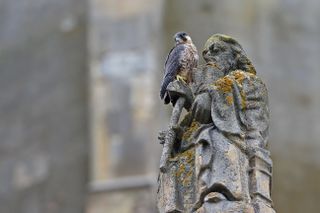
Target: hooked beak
178, 40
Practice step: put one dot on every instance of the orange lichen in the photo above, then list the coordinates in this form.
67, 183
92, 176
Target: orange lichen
185, 169
251, 69
184, 158
187, 178
186, 155
181, 170
229, 100
243, 99
239, 76
224, 84
190, 130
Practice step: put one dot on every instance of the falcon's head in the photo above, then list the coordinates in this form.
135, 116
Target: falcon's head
182, 37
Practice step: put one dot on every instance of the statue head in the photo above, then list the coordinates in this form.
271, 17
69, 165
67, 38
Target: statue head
227, 54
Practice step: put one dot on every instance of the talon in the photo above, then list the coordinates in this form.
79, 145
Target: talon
180, 78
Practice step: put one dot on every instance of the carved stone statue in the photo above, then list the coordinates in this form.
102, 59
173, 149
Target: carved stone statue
218, 161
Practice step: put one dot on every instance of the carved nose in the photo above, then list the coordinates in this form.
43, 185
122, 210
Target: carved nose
214, 197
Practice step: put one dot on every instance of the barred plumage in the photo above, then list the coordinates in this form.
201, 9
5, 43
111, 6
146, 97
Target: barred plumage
181, 60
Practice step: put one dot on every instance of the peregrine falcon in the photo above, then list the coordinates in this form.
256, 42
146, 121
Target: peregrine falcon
180, 62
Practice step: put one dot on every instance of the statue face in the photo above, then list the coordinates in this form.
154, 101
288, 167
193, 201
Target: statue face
221, 54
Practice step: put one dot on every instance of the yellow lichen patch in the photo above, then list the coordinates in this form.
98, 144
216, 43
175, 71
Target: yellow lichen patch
185, 168
229, 100
251, 69
189, 131
181, 170
243, 99
187, 155
185, 173
187, 178
224, 84
239, 76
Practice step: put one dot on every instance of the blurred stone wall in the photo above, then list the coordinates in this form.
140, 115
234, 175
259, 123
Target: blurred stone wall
123, 42
43, 106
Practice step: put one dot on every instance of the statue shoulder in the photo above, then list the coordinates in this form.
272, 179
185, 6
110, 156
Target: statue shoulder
246, 78
203, 77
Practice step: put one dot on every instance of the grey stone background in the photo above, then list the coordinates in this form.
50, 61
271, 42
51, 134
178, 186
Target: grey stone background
43, 106
79, 97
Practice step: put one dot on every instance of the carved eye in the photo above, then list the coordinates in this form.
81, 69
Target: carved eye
205, 52
214, 49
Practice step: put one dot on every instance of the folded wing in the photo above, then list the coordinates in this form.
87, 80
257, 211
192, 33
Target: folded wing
171, 68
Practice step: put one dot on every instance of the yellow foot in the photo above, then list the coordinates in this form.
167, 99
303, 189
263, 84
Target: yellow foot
180, 78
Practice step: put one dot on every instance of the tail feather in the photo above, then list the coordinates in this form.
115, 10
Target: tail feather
167, 98
166, 81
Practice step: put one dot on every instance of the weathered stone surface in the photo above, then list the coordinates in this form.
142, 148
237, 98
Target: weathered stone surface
219, 163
